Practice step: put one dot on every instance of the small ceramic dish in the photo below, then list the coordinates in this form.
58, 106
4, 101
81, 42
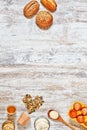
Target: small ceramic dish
11, 110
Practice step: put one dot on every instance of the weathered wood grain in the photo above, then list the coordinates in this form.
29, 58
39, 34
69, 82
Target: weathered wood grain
51, 63
22, 42
59, 85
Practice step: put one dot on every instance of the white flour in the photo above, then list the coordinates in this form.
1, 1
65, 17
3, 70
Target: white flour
54, 114
42, 124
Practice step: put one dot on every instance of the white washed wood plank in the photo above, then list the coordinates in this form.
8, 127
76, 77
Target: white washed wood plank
55, 59
19, 80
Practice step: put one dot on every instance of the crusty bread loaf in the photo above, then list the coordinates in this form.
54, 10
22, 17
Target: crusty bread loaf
44, 19
49, 4
31, 8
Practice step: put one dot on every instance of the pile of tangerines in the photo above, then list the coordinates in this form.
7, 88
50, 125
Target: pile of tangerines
78, 112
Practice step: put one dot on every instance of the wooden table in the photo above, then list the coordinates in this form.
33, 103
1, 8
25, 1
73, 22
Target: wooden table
51, 63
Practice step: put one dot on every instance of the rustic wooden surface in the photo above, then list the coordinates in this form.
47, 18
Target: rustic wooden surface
51, 63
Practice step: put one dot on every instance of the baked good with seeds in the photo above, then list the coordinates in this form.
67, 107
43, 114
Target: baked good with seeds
31, 8
44, 19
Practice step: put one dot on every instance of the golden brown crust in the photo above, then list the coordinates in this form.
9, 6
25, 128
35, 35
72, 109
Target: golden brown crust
49, 4
44, 19
31, 9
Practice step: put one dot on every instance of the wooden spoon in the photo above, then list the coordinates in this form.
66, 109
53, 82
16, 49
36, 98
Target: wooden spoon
54, 115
